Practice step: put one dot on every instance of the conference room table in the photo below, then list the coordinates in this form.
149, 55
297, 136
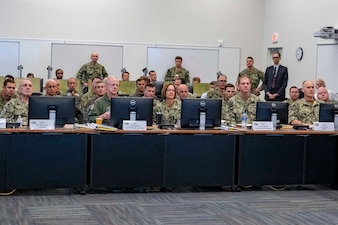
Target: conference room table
76, 158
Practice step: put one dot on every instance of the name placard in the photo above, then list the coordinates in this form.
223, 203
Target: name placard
2, 122
41, 124
323, 126
262, 125
134, 125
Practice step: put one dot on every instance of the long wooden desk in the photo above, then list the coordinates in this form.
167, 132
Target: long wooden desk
168, 158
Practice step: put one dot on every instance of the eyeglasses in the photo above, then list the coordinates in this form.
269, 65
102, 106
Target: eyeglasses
275, 57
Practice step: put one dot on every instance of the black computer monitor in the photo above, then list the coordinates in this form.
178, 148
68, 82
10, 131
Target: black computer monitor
191, 109
327, 112
264, 111
121, 108
62, 109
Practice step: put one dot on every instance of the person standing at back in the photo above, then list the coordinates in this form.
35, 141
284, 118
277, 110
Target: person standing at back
90, 70
275, 80
255, 76
177, 70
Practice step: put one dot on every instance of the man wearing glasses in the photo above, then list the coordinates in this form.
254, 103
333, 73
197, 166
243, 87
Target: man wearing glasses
275, 80
101, 106
218, 92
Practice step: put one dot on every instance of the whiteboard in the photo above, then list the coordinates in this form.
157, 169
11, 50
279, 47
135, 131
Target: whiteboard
202, 62
9, 58
70, 58
327, 66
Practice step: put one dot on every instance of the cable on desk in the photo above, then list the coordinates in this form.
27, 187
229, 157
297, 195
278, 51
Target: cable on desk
7, 193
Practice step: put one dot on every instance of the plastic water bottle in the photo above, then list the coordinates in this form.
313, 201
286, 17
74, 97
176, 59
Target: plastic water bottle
19, 120
244, 120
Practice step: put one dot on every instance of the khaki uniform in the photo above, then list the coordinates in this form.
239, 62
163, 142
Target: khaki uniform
236, 106
101, 105
255, 75
170, 115
183, 73
13, 109
304, 111
89, 71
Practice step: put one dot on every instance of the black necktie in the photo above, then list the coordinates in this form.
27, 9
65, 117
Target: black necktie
273, 85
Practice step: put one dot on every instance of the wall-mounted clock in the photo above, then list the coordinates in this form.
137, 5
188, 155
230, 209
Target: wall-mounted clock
299, 53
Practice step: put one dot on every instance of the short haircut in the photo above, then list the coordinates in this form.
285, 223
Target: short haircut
293, 87
181, 79
249, 57
229, 85
150, 85
213, 82
8, 81
30, 74
8, 76
222, 75
151, 71
96, 78
178, 57
196, 79
277, 52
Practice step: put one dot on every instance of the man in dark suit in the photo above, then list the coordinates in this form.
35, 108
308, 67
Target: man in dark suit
275, 80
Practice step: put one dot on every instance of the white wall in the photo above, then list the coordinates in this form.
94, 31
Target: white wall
295, 22
190, 22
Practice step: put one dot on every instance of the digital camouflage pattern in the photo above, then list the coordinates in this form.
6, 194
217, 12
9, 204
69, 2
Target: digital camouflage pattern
85, 98
216, 93
304, 111
236, 106
13, 109
88, 71
170, 115
183, 73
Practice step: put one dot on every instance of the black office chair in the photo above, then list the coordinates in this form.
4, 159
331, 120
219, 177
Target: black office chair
190, 87
158, 88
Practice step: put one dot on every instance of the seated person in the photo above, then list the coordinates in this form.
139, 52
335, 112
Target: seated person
140, 85
18, 106
102, 105
305, 111
294, 95
170, 106
243, 101
99, 91
323, 94
212, 85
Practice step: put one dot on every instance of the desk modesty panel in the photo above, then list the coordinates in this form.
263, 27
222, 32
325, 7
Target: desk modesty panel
46, 160
3, 161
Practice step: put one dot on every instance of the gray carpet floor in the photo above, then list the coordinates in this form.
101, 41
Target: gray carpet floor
311, 205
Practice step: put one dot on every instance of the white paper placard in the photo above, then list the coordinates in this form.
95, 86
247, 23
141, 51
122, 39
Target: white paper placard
2, 122
134, 125
323, 126
262, 125
41, 124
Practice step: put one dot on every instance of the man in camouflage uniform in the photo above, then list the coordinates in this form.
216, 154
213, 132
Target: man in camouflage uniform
305, 111
177, 70
90, 70
323, 94
243, 101
294, 95
101, 106
7, 93
99, 91
18, 106
218, 91
255, 76
90, 94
